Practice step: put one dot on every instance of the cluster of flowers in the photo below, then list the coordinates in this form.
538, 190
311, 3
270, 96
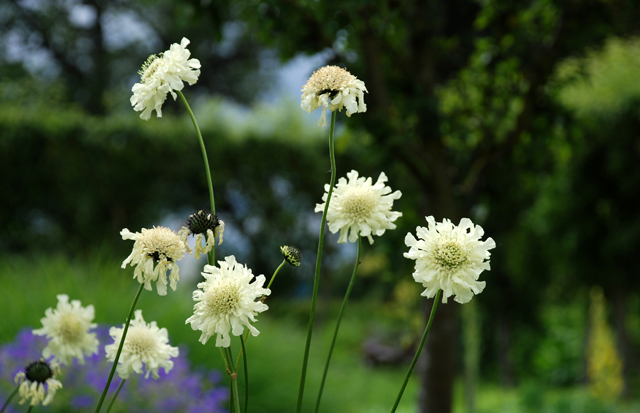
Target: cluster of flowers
181, 389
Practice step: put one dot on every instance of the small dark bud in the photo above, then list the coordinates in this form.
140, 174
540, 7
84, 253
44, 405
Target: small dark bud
292, 255
202, 221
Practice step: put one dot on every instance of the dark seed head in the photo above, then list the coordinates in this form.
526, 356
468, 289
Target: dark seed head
202, 221
39, 371
292, 255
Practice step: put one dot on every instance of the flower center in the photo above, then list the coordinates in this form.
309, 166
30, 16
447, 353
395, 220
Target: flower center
39, 371
358, 202
223, 298
450, 254
150, 67
140, 341
328, 79
70, 329
162, 243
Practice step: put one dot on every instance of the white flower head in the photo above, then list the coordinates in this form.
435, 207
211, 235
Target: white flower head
359, 207
155, 252
450, 258
334, 88
226, 301
37, 383
144, 344
162, 74
67, 328
202, 224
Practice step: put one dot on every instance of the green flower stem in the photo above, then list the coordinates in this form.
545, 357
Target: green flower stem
246, 374
29, 409
6, 404
316, 280
264, 297
115, 362
234, 382
335, 333
415, 358
212, 253
115, 396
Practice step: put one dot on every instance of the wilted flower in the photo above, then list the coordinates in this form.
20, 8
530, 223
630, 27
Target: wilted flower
334, 88
162, 74
359, 207
226, 301
202, 224
67, 328
38, 383
155, 252
145, 344
292, 255
450, 258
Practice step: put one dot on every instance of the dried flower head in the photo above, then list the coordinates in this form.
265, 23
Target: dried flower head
292, 255
38, 383
359, 207
226, 301
450, 258
162, 74
145, 344
202, 224
334, 88
155, 252
67, 328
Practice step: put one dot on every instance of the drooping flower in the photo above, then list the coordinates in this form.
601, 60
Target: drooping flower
202, 224
334, 88
292, 255
162, 74
226, 301
67, 328
37, 383
450, 258
359, 207
155, 252
144, 344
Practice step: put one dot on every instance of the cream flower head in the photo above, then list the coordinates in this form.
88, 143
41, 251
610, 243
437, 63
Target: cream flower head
450, 258
202, 224
226, 301
162, 74
359, 207
38, 383
145, 344
155, 252
67, 328
334, 88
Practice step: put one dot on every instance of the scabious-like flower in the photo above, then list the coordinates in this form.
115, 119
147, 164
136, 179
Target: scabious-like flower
145, 344
67, 328
37, 383
202, 224
162, 74
292, 255
450, 258
359, 207
226, 301
155, 252
334, 88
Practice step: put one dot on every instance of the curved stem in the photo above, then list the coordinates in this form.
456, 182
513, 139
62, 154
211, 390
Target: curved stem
211, 254
335, 333
316, 280
115, 396
115, 361
415, 358
246, 374
6, 404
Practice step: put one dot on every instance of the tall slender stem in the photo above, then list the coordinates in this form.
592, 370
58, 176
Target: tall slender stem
246, 374
316, 280
115, 362
415, 358
4, 406
234, 382
115, 396
335, 333
211, 254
